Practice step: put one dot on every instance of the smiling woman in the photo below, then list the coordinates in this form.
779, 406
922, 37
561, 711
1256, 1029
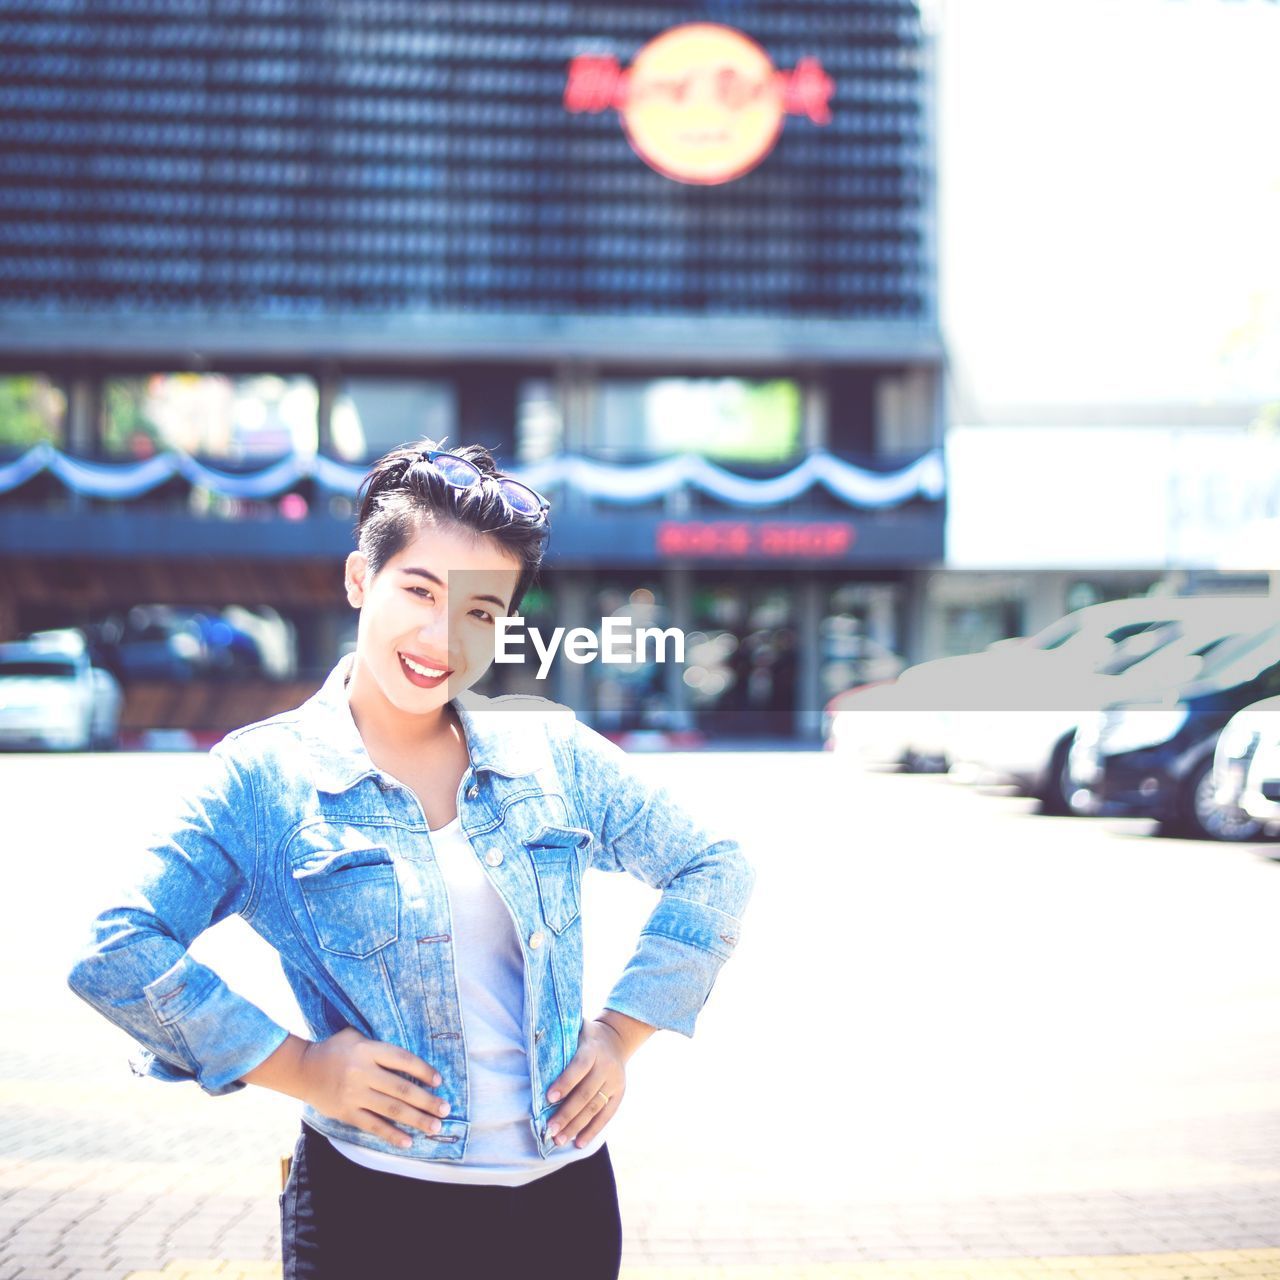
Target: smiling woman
413, 638
445, 544
414, 851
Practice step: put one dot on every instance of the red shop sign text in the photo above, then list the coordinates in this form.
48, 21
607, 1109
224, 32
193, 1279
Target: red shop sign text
767, 538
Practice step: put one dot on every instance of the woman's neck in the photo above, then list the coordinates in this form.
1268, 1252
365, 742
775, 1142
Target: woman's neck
386, 728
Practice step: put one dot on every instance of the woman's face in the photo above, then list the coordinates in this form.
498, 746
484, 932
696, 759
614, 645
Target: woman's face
431, 606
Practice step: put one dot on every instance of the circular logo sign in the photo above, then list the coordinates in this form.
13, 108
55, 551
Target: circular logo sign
702, 103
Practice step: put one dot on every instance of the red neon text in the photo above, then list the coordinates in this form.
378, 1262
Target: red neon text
769, 538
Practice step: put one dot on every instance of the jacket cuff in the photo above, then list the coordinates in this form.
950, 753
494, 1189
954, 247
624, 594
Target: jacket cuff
224, 1035
669, 978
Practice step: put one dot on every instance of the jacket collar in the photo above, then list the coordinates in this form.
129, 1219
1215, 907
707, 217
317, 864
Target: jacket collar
498, 738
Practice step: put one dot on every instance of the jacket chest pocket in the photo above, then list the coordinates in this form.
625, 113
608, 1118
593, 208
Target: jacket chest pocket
352, 899
553, 850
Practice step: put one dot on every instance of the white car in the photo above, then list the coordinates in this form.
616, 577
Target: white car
53, 697
937, 712
1031, 745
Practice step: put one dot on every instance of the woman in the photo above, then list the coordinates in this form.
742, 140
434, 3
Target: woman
414, 852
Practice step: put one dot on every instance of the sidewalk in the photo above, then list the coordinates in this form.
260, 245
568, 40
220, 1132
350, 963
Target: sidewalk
1024, 1049
156, 1220
1260, 1263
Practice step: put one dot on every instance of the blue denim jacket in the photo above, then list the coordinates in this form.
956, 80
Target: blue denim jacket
329, 859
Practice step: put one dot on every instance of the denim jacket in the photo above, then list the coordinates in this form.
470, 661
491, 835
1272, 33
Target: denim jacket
329, 859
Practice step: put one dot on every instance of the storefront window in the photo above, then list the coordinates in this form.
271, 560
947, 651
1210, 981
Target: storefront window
970, 628
630, 695
213, 415
372, 416
32, 409
740, 657
539, 422
858, 642
1083, 592
730, 419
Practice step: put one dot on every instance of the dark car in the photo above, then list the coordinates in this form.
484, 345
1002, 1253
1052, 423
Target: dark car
1155, 759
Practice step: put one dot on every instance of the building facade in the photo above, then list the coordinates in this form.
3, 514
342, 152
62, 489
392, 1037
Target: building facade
673, 264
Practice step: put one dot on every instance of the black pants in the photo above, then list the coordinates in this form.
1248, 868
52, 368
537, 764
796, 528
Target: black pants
341, 1221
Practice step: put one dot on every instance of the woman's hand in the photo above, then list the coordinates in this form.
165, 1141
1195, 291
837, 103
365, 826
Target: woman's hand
598, 1066
353, 1079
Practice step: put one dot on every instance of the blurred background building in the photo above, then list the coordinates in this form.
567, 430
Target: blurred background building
1109, 189
683, 282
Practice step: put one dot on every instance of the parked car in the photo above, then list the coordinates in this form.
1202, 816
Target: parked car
919, 719
53, 697
1030, 747
1155, 757
869, 724
1246, 761
228, 648
157, 642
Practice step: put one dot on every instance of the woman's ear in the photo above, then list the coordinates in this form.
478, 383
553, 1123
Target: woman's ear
356, 574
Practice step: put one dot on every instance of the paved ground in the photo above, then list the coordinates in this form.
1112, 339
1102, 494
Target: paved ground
958, 1040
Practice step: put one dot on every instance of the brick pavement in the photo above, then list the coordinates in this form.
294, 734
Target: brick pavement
1172, 1173
1262, 1264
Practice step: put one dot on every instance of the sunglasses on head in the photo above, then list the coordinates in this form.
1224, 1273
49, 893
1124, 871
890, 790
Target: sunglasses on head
461, 474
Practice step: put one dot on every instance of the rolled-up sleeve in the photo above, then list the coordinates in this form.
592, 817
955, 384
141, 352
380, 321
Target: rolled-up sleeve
704, 876
135, 969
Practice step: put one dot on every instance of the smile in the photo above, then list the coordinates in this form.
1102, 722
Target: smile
422, 676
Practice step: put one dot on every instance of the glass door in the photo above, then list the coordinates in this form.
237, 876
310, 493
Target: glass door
741, 658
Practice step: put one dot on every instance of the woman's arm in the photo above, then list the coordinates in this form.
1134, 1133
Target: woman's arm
631, 1032
135, 968
705, 879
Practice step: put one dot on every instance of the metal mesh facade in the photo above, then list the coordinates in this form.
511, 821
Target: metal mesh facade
291, 158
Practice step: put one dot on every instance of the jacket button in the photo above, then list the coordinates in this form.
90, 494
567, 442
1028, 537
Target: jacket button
472, 792
536, 938
493, 857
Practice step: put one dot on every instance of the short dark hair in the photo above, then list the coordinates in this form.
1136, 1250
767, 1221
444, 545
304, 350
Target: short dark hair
399, 496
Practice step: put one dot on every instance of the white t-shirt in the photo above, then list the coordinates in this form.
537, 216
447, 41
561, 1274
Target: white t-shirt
500, 1145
